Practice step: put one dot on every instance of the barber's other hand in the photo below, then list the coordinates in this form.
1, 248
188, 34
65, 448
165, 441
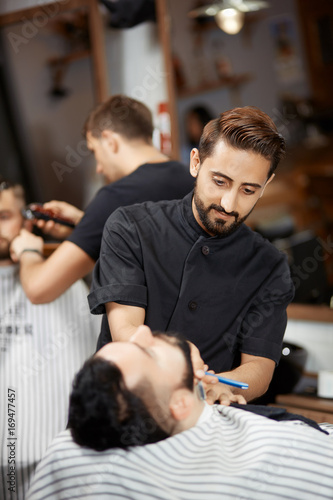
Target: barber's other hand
63, 209
223, 394
24, 240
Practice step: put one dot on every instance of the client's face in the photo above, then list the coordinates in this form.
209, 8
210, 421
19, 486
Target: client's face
11, 221
124, 394
159, 359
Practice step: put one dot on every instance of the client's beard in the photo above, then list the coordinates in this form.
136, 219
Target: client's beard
157, 405
152, 422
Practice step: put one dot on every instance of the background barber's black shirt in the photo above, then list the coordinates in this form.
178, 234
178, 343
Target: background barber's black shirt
226, 295
168, 180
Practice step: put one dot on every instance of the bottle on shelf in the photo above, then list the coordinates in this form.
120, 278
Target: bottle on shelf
164, 127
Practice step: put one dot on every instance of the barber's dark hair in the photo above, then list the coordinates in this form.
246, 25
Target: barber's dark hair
123, 115
246, 128
104, 414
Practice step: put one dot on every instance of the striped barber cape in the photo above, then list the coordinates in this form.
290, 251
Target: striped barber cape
233, 455
41, 349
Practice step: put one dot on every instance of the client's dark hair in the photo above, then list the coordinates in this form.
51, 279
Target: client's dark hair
17, 189
104, 414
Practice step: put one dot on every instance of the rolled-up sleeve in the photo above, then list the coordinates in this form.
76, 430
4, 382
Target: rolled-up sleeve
118, 274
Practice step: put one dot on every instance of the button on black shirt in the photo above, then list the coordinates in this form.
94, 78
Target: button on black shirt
152, 257
205, 250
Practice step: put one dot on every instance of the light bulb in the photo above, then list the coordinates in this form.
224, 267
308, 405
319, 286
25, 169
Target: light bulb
230, 20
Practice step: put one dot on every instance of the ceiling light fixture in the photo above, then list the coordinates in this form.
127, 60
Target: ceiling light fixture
230, 20
229, 14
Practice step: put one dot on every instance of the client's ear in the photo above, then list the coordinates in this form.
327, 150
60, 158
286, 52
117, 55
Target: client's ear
181, 404
112, 139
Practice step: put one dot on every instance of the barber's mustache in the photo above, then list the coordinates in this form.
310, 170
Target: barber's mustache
220, 209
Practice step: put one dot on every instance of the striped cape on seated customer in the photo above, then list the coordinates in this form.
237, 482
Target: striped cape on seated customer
229, 454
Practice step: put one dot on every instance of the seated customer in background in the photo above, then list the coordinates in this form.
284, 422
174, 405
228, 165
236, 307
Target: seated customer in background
141, 391
41, 348
119, 133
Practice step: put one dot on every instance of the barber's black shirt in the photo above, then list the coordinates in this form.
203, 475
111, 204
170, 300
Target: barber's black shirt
226, 295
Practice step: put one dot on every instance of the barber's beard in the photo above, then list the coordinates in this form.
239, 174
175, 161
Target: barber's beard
217, 227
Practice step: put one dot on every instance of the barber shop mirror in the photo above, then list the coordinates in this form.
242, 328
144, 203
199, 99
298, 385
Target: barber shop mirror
49, 87
48, 77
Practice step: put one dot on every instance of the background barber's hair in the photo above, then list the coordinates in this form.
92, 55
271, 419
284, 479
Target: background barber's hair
17, 189
123, 115
196, 119
104, 414
246, 128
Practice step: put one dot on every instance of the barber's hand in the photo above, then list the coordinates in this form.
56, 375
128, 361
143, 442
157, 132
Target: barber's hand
63, 209
215, 391
25, 240
223, 394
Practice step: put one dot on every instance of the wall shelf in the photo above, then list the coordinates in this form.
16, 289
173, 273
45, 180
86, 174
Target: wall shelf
318, 409
310, 312
231, 82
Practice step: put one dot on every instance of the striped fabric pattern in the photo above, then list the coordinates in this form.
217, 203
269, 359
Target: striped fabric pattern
41, 348
233, 455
